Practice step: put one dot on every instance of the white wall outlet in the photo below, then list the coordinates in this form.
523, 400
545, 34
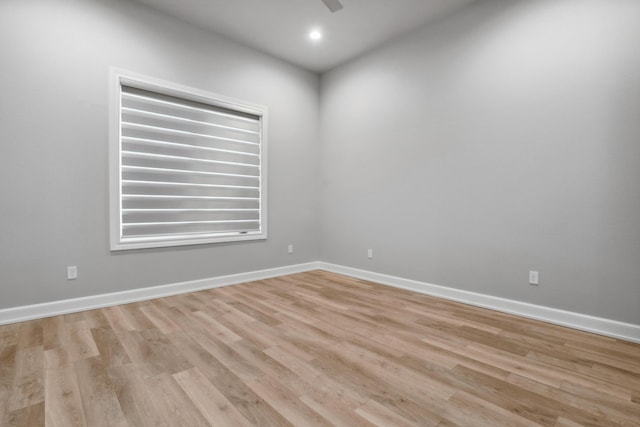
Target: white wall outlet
370, 253
72, 272
534, 279
290, 249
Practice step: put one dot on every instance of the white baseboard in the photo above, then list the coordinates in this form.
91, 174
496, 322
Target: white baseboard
584, 322
55, 308
598, 325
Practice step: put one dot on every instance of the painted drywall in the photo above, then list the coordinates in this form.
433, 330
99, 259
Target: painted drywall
55, 59
504, 139
500, 140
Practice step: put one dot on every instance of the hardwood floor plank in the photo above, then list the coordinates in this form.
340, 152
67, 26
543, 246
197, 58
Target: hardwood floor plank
516, 400
170, 399
221, 332
215, 407
334, 410
141, 353
159, 319
545, 373
63, 401
52, 329
286, 402
118, 320
563, 422
96, 319
7, 374
230, 358
153, 351
357, 376
109, 347
273, 368
135, 317
391, 371
311, 349
248, 402
138, 402
28, 381
380, 416
30, 334
32, 415
486, 413
326, 385
588, 411
80, 341
99, 401
197, 356
255, 313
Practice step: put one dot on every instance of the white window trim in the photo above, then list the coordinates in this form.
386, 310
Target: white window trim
116, 78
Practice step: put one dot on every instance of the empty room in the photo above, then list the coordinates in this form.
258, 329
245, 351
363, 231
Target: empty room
320, 213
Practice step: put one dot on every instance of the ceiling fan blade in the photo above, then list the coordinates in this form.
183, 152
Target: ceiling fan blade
333, 5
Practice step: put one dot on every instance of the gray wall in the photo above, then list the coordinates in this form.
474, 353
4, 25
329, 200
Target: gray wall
502, 140
55, 58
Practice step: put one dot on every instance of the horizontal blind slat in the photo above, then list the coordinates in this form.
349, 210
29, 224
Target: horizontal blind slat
178, 197
188, 210
152, 142
189, 139
186, 191
150, 169
159, 124
186, 163
165, 130
187, 184
132, 97
173, 216
158, 230
182, 152
188, 203
189, 159
222, 180
182, 119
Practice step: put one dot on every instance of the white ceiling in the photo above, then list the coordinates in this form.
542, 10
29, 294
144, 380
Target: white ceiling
280, 27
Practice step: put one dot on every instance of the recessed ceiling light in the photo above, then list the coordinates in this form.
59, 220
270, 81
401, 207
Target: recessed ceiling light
315, 35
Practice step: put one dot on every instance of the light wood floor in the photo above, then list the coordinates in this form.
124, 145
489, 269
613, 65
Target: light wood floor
311, 349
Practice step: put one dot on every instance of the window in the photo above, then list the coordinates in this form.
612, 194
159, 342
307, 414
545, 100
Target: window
186, 166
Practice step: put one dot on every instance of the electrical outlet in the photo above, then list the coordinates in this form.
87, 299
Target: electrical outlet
534, 279
370, 253
72, 272
290, 249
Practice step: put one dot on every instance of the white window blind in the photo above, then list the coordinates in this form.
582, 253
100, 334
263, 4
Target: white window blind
190, 167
